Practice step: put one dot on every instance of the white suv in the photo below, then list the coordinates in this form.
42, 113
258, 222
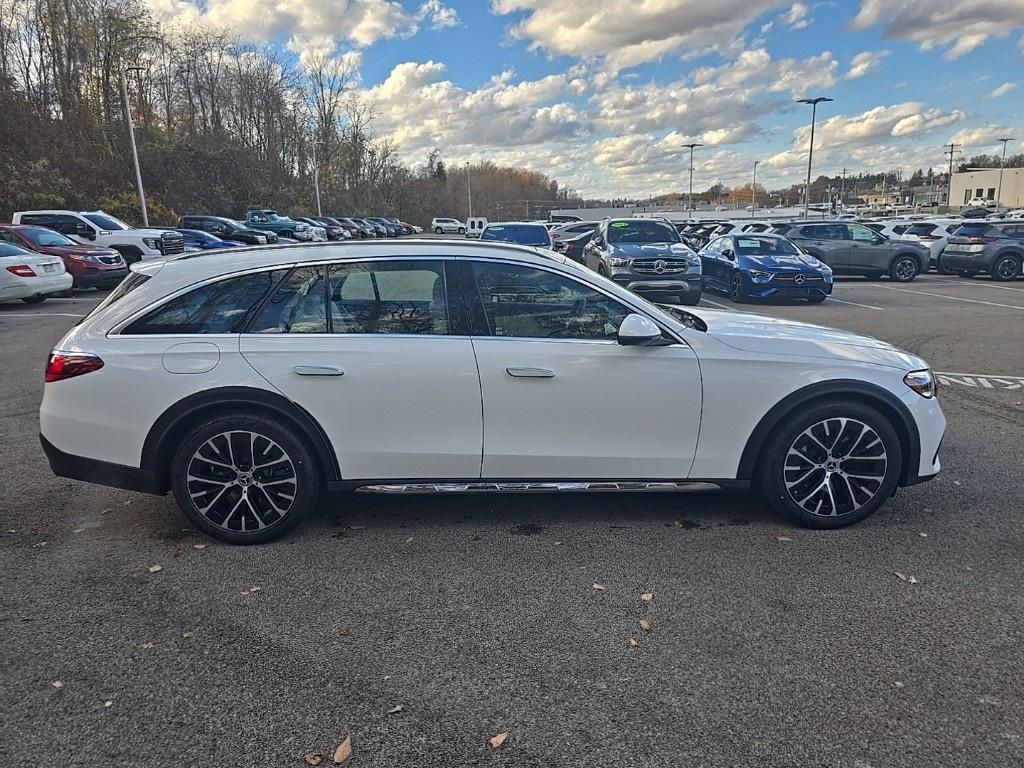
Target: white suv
444, 226
99, 228
248, 382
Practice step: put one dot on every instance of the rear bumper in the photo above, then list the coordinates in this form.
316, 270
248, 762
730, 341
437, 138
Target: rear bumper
977, 262
98, 472
37, 286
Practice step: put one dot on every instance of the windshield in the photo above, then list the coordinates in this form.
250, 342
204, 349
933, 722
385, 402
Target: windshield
974, 230
641, 232
45, 237
765, 246
103, 221
525, 234
919, 229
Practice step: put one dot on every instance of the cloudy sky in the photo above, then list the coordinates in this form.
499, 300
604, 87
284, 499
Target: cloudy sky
601, 93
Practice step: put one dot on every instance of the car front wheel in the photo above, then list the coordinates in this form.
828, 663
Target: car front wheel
244, 478
737, 291
904, 269
1006, 268
438, 231
832, 465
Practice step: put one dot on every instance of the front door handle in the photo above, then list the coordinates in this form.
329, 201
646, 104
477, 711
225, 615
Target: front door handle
317, 370
530, 373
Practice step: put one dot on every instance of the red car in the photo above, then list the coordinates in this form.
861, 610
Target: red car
89, 265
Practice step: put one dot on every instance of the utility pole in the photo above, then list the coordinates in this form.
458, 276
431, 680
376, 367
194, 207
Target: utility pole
810, 152
753, 191
951, 150
689, 212
469, 191
131, 138
842, 191
1002, 164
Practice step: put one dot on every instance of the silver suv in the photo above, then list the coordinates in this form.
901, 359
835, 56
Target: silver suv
984, 246
854, 249
646, 256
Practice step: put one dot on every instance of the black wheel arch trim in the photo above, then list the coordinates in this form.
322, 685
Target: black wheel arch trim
155, 449
906, 427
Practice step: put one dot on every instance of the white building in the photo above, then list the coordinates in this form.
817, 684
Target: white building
985, 185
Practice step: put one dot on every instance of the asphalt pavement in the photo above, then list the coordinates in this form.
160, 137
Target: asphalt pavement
423, 626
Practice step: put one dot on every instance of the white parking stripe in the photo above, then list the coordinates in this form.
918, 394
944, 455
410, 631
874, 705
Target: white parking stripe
953, 298
980, 284
854, 303
715, 303
37, 314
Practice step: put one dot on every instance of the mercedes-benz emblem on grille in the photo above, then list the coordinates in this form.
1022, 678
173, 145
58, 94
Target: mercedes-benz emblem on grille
799, 279
659, 266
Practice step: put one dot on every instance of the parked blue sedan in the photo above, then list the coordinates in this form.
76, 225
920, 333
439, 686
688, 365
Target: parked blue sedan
760, 266
195, 238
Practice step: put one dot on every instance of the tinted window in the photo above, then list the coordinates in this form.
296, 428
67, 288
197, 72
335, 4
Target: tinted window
641, 232
41, 219
106, 222
10, 249
45, 237
525, 234
298, 306
920, 229
533, 303
389, 297
221, 307
818, 233
974, 230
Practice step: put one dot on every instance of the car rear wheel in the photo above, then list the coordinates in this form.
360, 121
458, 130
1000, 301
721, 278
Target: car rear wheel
904, 269
737, 291
1006, 268
462, 230
832, 465
244, 478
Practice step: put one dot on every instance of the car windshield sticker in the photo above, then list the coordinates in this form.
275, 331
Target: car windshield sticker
620, 224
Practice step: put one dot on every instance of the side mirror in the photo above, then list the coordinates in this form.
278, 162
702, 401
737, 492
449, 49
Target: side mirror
84, 230
639, 331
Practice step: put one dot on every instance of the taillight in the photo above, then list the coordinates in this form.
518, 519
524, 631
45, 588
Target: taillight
21, 270
67, 365
928, 237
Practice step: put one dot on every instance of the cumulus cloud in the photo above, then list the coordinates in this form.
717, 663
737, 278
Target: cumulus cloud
864, 63
1002, 90
757, 68
632, 33
983, 137
932, 23
796, 16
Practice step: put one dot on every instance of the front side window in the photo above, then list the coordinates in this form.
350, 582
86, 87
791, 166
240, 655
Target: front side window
396, 297
862, 234
298, 306
525, 302
103, 221
221, 307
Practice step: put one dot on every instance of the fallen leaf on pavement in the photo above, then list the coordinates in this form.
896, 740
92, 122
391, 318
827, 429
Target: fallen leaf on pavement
497, 741
395, 709
647, 597
198, 546
57, 684
633, 643
108, 703
923, 535
905, 577
40, 544
105, 511
645, 625
179, 550
155, 568
409, 540
344, 751
783, 538
188, 634
147, 646
313, 758
600, 587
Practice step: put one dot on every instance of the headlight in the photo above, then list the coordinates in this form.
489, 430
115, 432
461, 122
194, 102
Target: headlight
152, 242
693, 260
615, 261
921, 382
758, 276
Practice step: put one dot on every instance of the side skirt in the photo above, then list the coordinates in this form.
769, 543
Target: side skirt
515, 485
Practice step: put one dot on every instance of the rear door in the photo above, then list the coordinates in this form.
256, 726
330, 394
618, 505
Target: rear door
376, 352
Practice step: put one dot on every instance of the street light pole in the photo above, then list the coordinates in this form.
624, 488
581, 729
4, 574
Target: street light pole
810, 153
753, 190
131, 138
469, 193
689, 206
1002, 164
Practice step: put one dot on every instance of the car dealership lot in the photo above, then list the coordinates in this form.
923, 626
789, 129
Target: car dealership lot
478, 614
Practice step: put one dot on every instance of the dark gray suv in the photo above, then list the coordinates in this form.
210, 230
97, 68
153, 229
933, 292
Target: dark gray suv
853, 249
647, 257
983, 246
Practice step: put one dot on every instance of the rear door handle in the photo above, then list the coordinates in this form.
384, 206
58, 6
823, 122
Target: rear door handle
530, 373
317, 370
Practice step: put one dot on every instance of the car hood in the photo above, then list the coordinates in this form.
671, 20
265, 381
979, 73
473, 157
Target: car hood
649, 250
75, 250
783, 261
775, 336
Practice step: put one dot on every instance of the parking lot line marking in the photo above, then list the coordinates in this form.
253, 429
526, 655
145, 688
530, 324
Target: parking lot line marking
36, 314
982, 375
953, 298
715, 303
854, 303
972, 284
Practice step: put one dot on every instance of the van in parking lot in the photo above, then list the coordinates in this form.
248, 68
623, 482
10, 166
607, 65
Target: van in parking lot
475, 226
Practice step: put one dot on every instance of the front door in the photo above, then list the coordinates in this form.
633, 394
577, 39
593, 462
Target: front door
369, 349
562, 398
868, 251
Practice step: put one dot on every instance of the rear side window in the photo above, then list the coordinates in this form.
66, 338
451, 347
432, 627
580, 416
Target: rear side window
920, 229
221, 307
394, 297
298, 306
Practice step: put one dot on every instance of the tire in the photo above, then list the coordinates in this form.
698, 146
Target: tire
438, 231
689, 299
462, 230
941, 269
129, 253
34, 299
289, 234
1006, 268
816, 299
904, 269
231, 505
737, 291
794, 464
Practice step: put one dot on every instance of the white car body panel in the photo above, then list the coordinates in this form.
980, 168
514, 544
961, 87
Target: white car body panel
105, 238
409, 407
50, 276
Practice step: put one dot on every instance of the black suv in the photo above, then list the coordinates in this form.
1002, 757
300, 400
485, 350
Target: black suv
981, 246
228, 229
853, 249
